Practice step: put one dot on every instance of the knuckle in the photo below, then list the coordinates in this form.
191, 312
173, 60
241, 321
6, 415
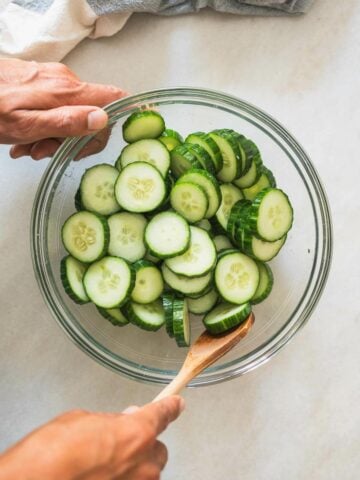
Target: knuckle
66, 120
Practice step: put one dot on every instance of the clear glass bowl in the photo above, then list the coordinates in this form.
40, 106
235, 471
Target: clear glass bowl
300, 270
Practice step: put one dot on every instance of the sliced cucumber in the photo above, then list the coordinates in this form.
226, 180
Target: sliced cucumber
237, 214
149, 317
151, 258
222, 242
142, 125
167, 235
190, 201
72, 272
181, 323
205, 225
148, 151
171, 139
271, 214
205, 141
203, 157
225, 317
85, 236
185, 285
77, 200
140, 187
127, 235
208, 183
149, 283
203, 304
260, 249
97, 189
198, 259
109, 282
253, 174
266, 283
236, 277
114, 315
230, 153
183, 159
245, 163
229, 196
168, 301
266, 180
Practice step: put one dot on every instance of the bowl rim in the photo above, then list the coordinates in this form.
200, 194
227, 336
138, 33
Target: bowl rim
321, 264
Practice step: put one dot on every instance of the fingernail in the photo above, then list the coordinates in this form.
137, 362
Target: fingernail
182, 404
97, 120
131, 409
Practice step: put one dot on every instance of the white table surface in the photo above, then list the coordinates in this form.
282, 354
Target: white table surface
297, 417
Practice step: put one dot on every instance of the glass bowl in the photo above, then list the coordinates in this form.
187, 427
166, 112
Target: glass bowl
300, 270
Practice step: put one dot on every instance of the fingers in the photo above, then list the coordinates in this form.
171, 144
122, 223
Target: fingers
44, 148
159, 414
61, 122
160, 455
96, 94
38, 150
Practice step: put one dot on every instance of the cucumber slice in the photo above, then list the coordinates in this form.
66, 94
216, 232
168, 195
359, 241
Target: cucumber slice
253, 174
72, 272
168, 301
271, 214
142, 125
77, 200
198, 259
205, 141
109, 282
236, 277
171, 139
230, 153
181, 323
149, 317
250, 149
260, 249
244, 161
183, 159
205, 225
190, 201
225, 317
167, 235
203, 157
208, 183
140, 187
266, 283
229, 195
203, 304
97, 189
114, 315
266, 180
184, 285
148, 151
127, 236
149, 283
237, 215
85, 236
151, 258
222, 242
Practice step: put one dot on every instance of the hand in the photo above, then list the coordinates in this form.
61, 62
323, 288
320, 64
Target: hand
41, 103
95, 446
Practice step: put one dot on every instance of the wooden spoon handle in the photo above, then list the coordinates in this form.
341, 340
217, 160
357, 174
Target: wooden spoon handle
176, 385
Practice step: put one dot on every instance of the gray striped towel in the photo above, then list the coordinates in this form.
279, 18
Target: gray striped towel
46, 30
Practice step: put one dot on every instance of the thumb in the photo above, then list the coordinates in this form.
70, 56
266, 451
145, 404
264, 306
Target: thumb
159, 414
69, 121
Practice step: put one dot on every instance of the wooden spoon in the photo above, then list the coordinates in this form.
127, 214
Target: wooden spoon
204, 352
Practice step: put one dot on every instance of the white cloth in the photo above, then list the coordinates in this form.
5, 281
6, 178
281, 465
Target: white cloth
51, 34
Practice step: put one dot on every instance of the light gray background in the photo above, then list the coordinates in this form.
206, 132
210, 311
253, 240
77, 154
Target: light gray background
298, 416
